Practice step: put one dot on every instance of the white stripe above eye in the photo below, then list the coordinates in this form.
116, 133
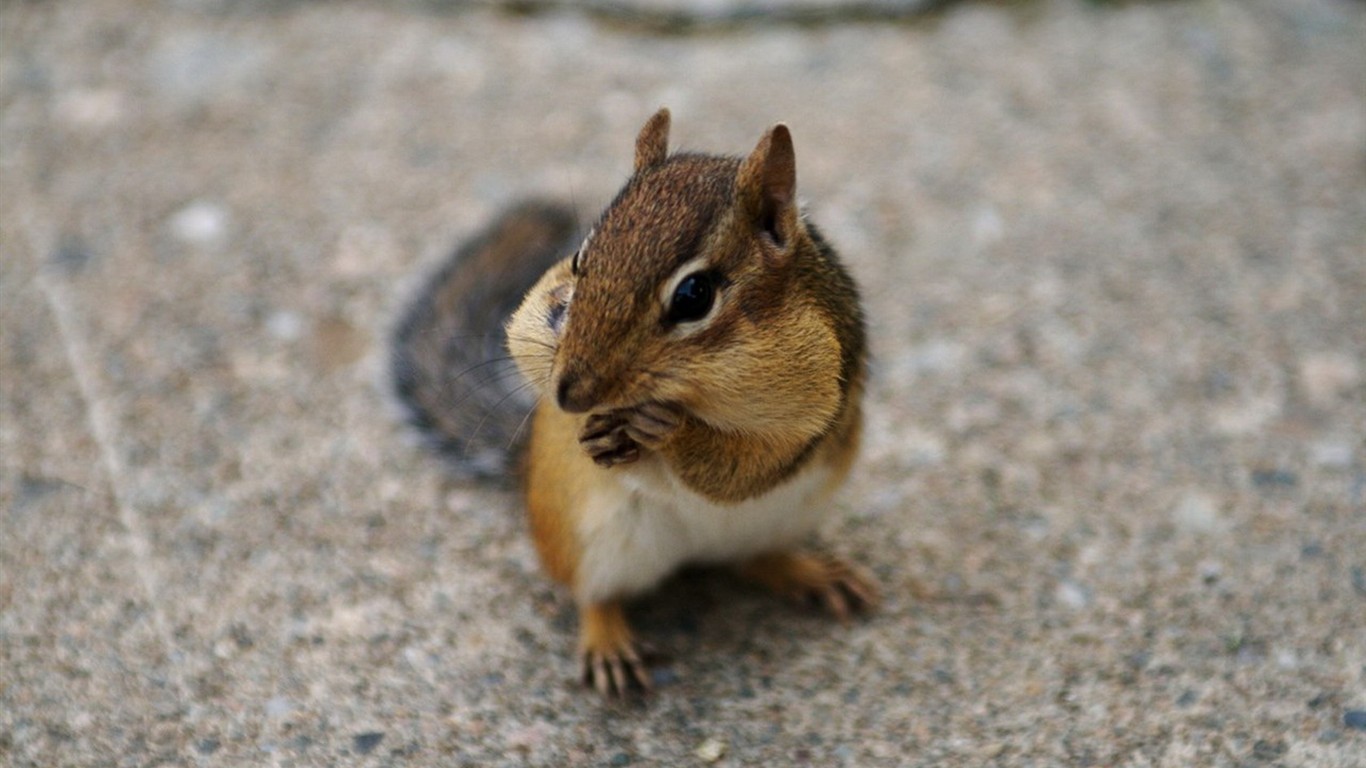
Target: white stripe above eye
690, 267
576, 265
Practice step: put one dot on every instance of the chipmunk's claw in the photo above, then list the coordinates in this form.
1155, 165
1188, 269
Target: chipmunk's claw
612, 662
617, 437
616, 673
605, 440
846, 590
839, 587
651, 424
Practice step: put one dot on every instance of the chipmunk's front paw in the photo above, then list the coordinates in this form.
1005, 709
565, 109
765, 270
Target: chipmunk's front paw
651, 424
606, 441
617, 437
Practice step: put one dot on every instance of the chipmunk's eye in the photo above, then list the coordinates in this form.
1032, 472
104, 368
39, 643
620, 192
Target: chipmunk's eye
559, 307
692, 298
554, 319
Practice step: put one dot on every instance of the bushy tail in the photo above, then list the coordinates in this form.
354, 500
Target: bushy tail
449, 359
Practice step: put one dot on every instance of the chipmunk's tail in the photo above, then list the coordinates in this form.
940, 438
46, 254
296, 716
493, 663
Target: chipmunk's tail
449, 358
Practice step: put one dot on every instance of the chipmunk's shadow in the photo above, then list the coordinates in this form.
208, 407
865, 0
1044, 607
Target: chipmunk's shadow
711, 631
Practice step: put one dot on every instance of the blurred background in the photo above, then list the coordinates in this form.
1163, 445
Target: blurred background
1114, 481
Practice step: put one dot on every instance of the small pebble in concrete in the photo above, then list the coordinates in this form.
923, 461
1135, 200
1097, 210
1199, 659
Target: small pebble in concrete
1326, 375
1274, 479
70, 256
365, 743
993, 751
91, 108
285, 325
1073, 595
337, 343
1247, 416
1268, 749
1319, 700
200, 223
1197, 512
1332, 453
279, 707
1355, 718
710, 750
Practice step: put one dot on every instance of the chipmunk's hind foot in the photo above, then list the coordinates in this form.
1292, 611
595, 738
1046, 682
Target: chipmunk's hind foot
612, 662
840, 588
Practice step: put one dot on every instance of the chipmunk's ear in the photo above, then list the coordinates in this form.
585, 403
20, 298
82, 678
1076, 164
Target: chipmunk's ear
766, 187
652, 144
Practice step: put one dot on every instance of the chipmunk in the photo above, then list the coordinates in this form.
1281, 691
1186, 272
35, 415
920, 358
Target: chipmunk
699, 362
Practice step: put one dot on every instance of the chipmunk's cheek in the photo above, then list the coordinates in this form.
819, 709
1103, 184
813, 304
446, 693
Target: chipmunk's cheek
680, 386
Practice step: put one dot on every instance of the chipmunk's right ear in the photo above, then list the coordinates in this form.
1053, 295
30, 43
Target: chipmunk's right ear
652, 144
766, 187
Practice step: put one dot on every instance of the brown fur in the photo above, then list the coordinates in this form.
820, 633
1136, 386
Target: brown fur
773, 373
767, 387
554, 480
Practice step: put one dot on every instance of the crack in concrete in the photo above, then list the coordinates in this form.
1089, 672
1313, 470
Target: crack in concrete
103, 424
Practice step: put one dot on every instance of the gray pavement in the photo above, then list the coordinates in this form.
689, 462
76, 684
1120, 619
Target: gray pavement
1114, 482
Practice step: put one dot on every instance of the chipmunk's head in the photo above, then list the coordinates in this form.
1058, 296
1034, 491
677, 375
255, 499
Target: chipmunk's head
697, 287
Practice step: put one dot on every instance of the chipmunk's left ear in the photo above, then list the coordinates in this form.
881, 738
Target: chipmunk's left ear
652, 143
767, 189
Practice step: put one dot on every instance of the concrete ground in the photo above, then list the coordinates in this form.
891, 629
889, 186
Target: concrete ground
1115, 478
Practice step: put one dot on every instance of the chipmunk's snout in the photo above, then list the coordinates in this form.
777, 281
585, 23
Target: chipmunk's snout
576, 393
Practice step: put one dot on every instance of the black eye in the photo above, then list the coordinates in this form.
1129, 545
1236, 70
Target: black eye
692, 298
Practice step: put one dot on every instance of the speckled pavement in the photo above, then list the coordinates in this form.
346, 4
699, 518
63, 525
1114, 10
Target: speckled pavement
1114, 482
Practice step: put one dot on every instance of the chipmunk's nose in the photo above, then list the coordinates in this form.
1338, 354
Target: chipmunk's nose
575, 393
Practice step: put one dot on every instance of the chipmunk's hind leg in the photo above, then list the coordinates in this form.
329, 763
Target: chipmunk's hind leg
612, 661
841, 588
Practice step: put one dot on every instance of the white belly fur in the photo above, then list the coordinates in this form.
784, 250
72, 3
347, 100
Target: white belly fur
648, 524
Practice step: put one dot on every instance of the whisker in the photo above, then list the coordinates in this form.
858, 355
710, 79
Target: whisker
492, 410
532, 340
476, 392
517, 433
483, 366
472, 379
